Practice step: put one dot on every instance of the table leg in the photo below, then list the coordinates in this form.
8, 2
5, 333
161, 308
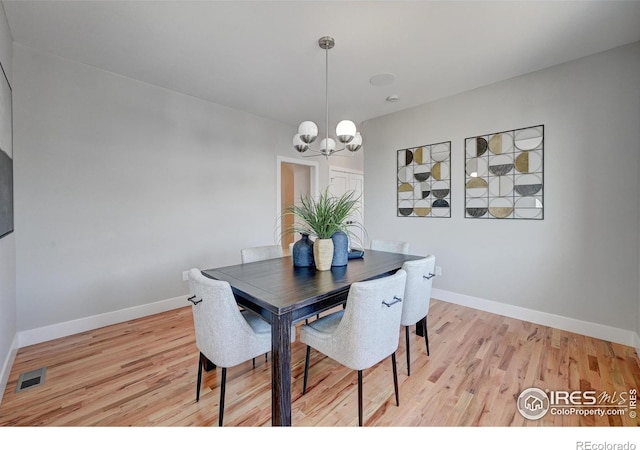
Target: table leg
281, 370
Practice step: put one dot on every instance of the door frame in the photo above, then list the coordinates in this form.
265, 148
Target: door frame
314, 186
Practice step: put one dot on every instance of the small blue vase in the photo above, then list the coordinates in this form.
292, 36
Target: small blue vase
302, 252
340, 249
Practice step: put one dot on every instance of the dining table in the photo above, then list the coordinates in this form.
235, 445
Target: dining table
283, 295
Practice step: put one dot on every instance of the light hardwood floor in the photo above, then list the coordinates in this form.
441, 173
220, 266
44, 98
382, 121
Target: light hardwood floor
143, 373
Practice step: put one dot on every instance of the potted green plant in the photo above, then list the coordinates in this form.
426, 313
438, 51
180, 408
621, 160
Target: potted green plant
322, 218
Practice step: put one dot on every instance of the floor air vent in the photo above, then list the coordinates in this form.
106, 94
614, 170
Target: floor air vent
31, 379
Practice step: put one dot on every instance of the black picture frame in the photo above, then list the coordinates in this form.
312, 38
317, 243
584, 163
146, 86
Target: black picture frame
504, 175
6, 156
423, 183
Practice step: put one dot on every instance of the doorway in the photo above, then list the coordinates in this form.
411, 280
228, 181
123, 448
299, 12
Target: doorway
296, 179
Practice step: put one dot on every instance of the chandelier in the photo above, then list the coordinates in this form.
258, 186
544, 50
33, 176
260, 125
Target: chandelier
346, 132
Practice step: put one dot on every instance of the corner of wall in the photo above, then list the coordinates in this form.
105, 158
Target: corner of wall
6, 367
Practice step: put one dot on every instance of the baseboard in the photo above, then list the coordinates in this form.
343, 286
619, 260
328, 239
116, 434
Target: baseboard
607, 333
7, 365
63, 329
596, 330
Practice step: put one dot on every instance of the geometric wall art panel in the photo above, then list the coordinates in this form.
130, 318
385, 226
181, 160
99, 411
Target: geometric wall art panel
504, 175
424, 181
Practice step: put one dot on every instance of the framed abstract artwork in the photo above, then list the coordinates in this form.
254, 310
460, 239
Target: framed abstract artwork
504, 175
6, 154
424, 181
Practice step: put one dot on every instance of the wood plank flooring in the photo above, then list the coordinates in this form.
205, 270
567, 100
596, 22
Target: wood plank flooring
143, 373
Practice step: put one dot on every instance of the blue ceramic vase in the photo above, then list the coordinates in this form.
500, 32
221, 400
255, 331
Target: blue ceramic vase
340, 249
302, 252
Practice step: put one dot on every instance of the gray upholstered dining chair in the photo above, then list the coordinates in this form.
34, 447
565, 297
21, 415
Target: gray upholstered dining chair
364, 333
260, 253
390, 246
225, 335
417, 298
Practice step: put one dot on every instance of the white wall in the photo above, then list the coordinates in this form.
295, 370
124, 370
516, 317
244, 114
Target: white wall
581, 261
7, 245
121, 186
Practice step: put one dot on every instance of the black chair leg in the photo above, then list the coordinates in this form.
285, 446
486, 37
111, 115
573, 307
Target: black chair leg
200, 364
306, 370
395, 377
406, 339
359, 397
254, 363
208, 365
426, 335
222, 388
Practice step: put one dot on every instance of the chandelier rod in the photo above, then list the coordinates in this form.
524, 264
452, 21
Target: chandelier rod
326, 89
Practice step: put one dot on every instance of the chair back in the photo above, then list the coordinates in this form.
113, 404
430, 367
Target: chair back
390, 246
369, 329
223, 335
417, 293
261, 253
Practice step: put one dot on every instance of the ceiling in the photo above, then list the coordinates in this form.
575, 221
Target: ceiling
263, 56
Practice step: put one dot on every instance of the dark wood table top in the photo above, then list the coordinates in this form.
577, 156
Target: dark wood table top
277, 287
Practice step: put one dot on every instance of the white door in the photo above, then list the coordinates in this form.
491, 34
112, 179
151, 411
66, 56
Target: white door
343, 180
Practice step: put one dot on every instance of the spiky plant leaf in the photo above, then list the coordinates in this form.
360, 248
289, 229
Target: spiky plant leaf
324, 216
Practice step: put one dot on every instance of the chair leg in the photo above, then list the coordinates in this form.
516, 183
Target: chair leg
359, 397
426, 335
208, 365
306, 370
254, 363
222, 388
406, 339
395, 377
200, 364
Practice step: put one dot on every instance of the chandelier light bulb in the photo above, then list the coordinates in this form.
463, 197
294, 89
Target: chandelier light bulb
308, 131
346, 131
355, 143
299, 144
327, 146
